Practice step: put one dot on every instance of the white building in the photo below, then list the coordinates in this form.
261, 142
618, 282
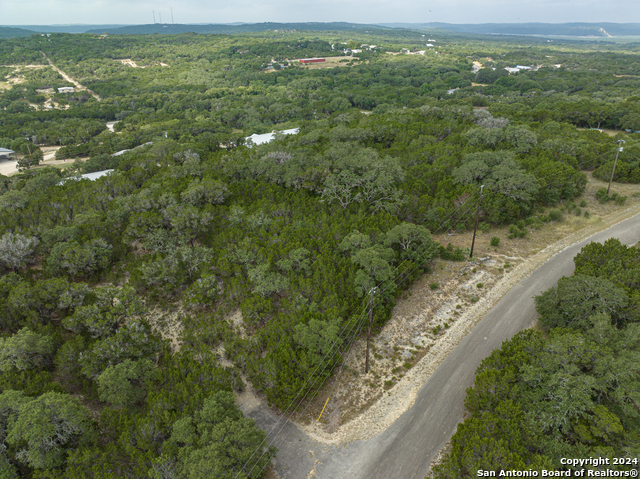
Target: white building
66, 89
89, 176
256, 139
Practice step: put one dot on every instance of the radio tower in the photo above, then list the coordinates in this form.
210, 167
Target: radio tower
154, 16
159, 13
171, 15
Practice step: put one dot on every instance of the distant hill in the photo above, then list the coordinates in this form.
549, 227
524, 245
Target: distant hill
65, 28
562, 29
222, 28
11, 32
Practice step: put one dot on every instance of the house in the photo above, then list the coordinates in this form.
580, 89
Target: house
256, 139
312, 60
89, 176
5, 153
66, 89
517, 69
452, 91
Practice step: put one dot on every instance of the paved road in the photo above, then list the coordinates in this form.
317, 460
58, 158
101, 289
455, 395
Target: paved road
405, 449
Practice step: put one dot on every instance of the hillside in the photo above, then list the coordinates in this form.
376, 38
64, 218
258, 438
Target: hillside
11, 32
166, 28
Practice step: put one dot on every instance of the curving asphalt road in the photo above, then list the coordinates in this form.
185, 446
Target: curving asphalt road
405, 449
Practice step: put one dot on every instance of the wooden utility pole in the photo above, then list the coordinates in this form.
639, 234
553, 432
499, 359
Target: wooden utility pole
473, 242
615, 162
371, 293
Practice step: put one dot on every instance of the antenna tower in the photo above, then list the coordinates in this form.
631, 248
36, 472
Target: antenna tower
154, 16
171, 15
159, 13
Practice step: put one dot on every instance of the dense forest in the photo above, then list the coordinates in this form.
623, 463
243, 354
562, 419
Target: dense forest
197, 223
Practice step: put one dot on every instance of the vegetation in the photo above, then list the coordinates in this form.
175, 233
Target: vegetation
572, 391
196, 225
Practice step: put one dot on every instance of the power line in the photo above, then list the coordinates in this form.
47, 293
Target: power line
390, 286
359, 322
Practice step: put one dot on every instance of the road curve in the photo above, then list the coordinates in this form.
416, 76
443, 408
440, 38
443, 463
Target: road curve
405, 449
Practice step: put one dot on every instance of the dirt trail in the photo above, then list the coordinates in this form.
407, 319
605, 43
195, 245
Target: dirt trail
71, 80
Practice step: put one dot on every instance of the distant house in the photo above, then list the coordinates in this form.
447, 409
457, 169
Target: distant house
256, 139
312, 60
66, 89
452, 91
89, 176
4, 153
517, 69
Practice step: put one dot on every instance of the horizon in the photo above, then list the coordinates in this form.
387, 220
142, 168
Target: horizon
311, 22
142, 12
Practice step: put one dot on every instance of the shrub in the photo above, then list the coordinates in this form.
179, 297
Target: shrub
452, 254
620, 200
479, 285
474, 299
515, 231
583, 203
495, 241
587, 214
434, 286
602, 196
556, 215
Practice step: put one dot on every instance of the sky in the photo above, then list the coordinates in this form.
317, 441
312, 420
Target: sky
95, 12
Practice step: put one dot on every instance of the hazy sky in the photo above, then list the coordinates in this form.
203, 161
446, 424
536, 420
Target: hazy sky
48, 12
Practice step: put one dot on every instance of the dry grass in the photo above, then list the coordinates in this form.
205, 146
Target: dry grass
331, 62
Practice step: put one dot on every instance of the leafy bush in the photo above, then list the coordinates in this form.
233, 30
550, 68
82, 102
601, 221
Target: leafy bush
495, 241
515, 231
556, 215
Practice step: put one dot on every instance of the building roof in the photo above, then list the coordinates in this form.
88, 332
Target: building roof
89, 176
4, 151
268, 137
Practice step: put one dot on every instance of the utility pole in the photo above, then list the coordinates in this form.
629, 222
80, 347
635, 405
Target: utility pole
615, 162
371, 293
476, 227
